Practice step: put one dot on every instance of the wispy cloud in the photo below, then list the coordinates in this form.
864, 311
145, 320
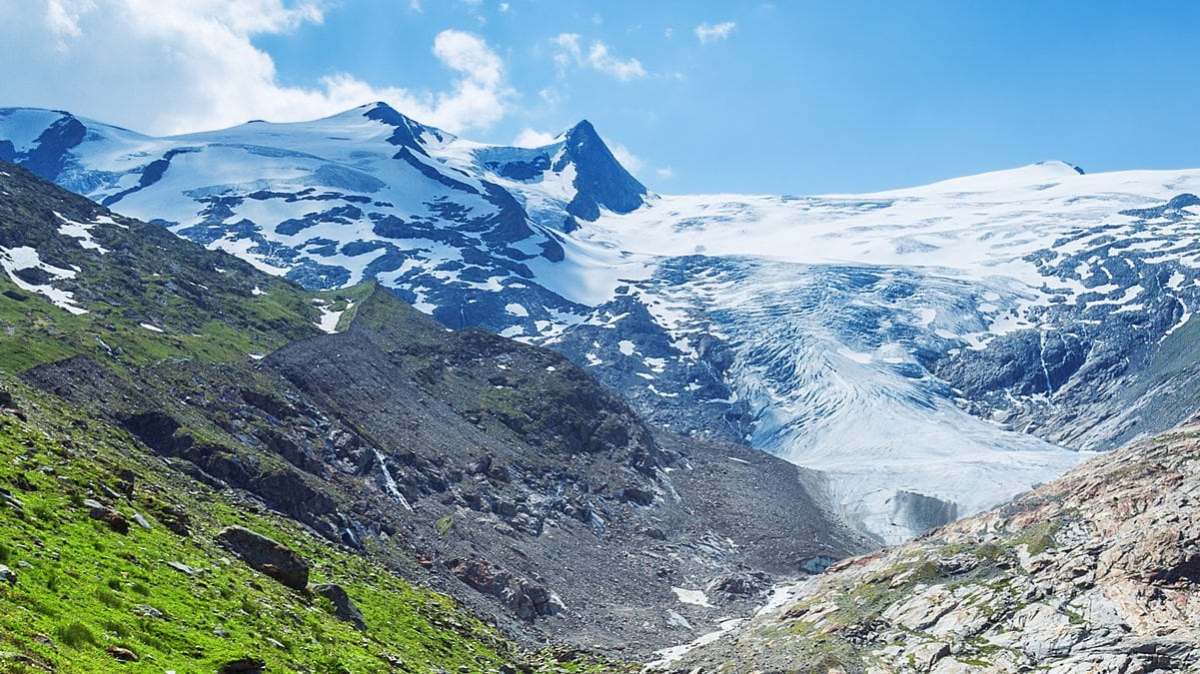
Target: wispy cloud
570, 51
533, 138
714, 32
628, 159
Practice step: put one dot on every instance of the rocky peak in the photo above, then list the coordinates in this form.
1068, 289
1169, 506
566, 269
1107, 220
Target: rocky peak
600, 180
408, 131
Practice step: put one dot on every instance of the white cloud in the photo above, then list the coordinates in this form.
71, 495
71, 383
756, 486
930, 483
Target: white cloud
533, 138
715, 32
601, 59
629, 160
503, 7
598, 57
664, 172
184, 65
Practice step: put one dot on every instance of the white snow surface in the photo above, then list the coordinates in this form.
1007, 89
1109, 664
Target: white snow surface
21, 258
693, 597
329, 318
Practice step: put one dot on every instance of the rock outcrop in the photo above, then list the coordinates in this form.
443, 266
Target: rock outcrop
266, 556
1098, 571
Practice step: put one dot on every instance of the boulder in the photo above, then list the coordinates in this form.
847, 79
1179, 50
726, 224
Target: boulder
100, 512
740, 584
637, 496
343, 606
175, 520
7, 575
525, 598
182, 568
266, 556
122, 654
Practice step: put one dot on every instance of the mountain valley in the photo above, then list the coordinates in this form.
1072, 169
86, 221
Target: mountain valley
513, 411
489, 470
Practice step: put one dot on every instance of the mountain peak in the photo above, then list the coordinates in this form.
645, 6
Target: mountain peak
385, 113
582, 128
408, 132
1060, 165
600, 179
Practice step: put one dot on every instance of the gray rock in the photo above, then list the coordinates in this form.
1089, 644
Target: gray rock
148, 611
182, 568
102, 513
122, 654
343, 606
266, 556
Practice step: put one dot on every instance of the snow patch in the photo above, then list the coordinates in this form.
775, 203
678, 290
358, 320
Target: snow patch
693, 597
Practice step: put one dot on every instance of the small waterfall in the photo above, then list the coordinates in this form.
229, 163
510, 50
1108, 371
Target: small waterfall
389, 482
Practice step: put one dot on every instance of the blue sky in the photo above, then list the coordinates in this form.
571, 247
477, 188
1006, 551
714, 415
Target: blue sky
790, 97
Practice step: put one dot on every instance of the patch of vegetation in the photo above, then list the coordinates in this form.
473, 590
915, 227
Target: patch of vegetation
1037, 538
76, 635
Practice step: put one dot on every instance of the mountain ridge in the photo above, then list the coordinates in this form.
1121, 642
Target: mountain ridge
1092, 572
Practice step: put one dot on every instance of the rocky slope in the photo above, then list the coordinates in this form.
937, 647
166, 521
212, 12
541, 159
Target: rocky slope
1098, 571
497, 472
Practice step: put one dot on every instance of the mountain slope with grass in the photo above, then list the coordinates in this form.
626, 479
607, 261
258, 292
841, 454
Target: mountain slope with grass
494, 472
138, 583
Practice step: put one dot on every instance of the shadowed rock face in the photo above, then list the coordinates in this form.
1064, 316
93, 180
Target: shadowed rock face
1094, 572
343, 606
600, 179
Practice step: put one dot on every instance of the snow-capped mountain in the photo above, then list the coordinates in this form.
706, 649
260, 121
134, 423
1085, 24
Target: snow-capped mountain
932, 350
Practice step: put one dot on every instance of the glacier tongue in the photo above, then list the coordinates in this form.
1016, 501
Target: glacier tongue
829, 361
